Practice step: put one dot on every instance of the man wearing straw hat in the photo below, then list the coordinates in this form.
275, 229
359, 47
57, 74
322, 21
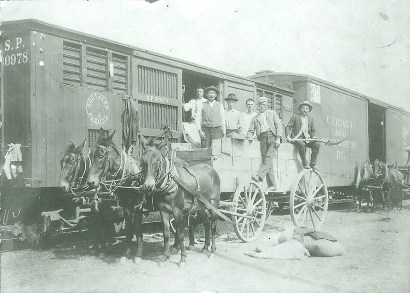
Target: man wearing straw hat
210, 118
301, 128
268, 128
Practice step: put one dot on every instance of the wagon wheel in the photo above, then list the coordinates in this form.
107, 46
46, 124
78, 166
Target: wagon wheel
309, 199
249, 209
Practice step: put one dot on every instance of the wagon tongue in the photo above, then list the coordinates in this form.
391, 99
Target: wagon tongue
332, 143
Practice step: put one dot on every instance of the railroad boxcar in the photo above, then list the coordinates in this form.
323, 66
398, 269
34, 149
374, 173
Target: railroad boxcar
61, 85
372, 129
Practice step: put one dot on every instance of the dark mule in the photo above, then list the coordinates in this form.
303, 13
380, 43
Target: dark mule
159, 171
74, 168
113, 171
392, 182
367, 186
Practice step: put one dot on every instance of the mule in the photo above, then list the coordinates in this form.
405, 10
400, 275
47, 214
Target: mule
368, 186
392, 182
159, 172
114, 170
74, 167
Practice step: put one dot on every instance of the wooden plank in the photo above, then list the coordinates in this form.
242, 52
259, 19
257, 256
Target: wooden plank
181, 146
194, 155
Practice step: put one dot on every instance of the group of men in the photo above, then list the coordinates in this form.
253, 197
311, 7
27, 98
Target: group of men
213, 121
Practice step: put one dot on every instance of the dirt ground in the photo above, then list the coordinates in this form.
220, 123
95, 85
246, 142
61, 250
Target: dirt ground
377, 259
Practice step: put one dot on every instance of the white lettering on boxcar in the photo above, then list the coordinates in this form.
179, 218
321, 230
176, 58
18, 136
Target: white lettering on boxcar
156, 99
335, 121
98, 108
13, 56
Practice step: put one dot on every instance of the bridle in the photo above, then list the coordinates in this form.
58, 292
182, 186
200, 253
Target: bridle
164, 182
111, 185
107, 162
76, 180
378, 174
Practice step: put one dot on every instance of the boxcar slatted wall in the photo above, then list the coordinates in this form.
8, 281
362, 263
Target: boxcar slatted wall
119, 82
71, 63
77, 91
158, 89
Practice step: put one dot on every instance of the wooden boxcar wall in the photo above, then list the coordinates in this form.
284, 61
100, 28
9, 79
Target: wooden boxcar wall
337, 115
397, 136
17, 61
158, 89
74, 96
67, 90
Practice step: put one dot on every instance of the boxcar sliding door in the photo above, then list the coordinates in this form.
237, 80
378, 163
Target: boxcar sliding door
242, 92
158, 89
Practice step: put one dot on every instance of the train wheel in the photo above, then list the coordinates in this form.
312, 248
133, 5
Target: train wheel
249, 210
309, 199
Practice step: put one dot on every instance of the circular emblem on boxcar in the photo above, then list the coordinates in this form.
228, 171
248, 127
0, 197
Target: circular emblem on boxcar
98, 108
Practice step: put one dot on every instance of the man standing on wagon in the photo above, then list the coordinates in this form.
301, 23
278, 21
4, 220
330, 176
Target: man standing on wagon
233, 122
268, 128
210, 118
301, 127
192, 105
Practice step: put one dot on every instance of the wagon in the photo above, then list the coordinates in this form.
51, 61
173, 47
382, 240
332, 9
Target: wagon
247, 202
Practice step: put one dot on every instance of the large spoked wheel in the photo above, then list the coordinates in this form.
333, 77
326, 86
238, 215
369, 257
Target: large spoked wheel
249, 210
309, 200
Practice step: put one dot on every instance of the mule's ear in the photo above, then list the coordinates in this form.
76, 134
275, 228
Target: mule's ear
108, 140
143, 142
161, 144
70, 147
80, 148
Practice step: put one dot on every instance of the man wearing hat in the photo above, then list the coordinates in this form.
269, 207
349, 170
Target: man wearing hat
210, 118
268, 128
232, 117
302, 127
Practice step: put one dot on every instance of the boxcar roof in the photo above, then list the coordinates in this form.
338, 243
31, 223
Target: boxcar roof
34, 24
295, 77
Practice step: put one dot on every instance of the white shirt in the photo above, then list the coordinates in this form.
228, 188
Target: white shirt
246, 119
198, 118
193, 106
305, 126
232, 119
264, 122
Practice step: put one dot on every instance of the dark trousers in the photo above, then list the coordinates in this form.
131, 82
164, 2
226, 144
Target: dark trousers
210, 134
268, 152
313, 145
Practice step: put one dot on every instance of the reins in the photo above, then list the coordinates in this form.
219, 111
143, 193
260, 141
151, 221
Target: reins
77, 181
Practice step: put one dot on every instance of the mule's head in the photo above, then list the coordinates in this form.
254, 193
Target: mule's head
70, 164
380, 169
153, 161
100, 159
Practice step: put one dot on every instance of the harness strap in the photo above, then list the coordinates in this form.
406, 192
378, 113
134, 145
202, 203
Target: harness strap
200, 197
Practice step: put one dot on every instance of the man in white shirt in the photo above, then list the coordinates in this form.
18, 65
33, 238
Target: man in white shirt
192, 105
268, 128
232, 116
210, 118
247, 116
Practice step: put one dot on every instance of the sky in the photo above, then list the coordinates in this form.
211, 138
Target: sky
363, 45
